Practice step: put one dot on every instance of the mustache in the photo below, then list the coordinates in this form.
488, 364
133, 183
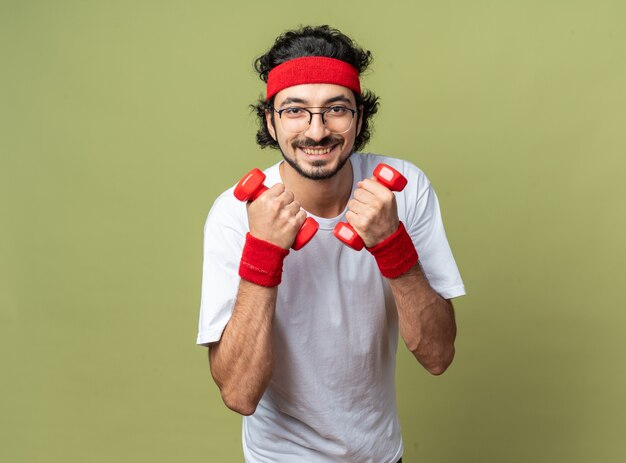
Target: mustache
324, 142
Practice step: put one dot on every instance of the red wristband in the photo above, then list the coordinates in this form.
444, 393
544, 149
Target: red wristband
262, 262
396, 254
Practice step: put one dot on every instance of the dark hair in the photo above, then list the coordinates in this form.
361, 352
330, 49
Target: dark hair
315, 41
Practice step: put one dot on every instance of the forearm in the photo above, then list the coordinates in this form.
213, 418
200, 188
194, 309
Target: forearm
241, 362
426, 320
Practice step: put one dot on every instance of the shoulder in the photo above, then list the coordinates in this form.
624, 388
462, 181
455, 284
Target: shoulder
226, 203
417, 179
227, 211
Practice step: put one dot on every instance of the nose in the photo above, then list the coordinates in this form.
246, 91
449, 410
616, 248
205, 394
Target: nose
316, 130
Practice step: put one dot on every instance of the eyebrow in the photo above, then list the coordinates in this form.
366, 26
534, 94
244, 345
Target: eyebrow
292, 100
334, 99
342, 98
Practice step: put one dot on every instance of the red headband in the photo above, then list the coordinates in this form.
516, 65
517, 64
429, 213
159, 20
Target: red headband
312, 70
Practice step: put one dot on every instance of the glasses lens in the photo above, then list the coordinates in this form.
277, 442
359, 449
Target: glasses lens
295, 119
337, 119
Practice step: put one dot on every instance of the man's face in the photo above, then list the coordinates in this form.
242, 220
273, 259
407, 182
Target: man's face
317, 153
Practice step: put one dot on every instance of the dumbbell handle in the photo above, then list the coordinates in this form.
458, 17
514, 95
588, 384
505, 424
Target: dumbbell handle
251, 186
385, 175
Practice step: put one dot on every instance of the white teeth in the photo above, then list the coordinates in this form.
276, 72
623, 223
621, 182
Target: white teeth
317, 151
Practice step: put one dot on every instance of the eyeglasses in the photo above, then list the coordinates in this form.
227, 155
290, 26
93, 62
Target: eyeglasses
296, 119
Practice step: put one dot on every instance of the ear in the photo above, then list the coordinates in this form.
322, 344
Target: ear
270, 123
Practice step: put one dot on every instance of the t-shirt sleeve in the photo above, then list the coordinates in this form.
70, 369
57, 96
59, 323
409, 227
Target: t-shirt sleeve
425, 225
224, 236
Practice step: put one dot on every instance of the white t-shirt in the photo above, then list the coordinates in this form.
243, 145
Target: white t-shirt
332, 393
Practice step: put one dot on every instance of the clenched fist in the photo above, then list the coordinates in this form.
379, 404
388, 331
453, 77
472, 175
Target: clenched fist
276, 216
373, 212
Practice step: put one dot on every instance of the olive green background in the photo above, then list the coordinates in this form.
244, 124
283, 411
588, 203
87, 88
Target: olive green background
121, 121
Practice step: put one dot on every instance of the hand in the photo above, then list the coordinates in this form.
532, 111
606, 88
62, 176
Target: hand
373, 212
275, 216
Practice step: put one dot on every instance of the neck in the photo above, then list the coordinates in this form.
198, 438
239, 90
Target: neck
323, 198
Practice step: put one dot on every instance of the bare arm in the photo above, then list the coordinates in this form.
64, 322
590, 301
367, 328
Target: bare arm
426, 320
241, 361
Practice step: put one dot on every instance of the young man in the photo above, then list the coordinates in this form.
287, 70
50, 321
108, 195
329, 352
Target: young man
303, 343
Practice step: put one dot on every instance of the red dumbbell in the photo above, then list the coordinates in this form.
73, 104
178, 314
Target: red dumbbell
250, 187
385, 175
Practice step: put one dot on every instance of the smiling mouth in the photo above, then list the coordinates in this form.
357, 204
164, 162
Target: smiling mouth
317, 151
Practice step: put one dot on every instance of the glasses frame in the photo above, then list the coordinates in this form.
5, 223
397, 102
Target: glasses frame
321, 113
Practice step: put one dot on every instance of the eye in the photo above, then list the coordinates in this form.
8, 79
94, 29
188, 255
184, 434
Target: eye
337, 110
294, 112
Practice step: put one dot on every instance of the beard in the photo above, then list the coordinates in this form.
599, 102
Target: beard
318, 172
